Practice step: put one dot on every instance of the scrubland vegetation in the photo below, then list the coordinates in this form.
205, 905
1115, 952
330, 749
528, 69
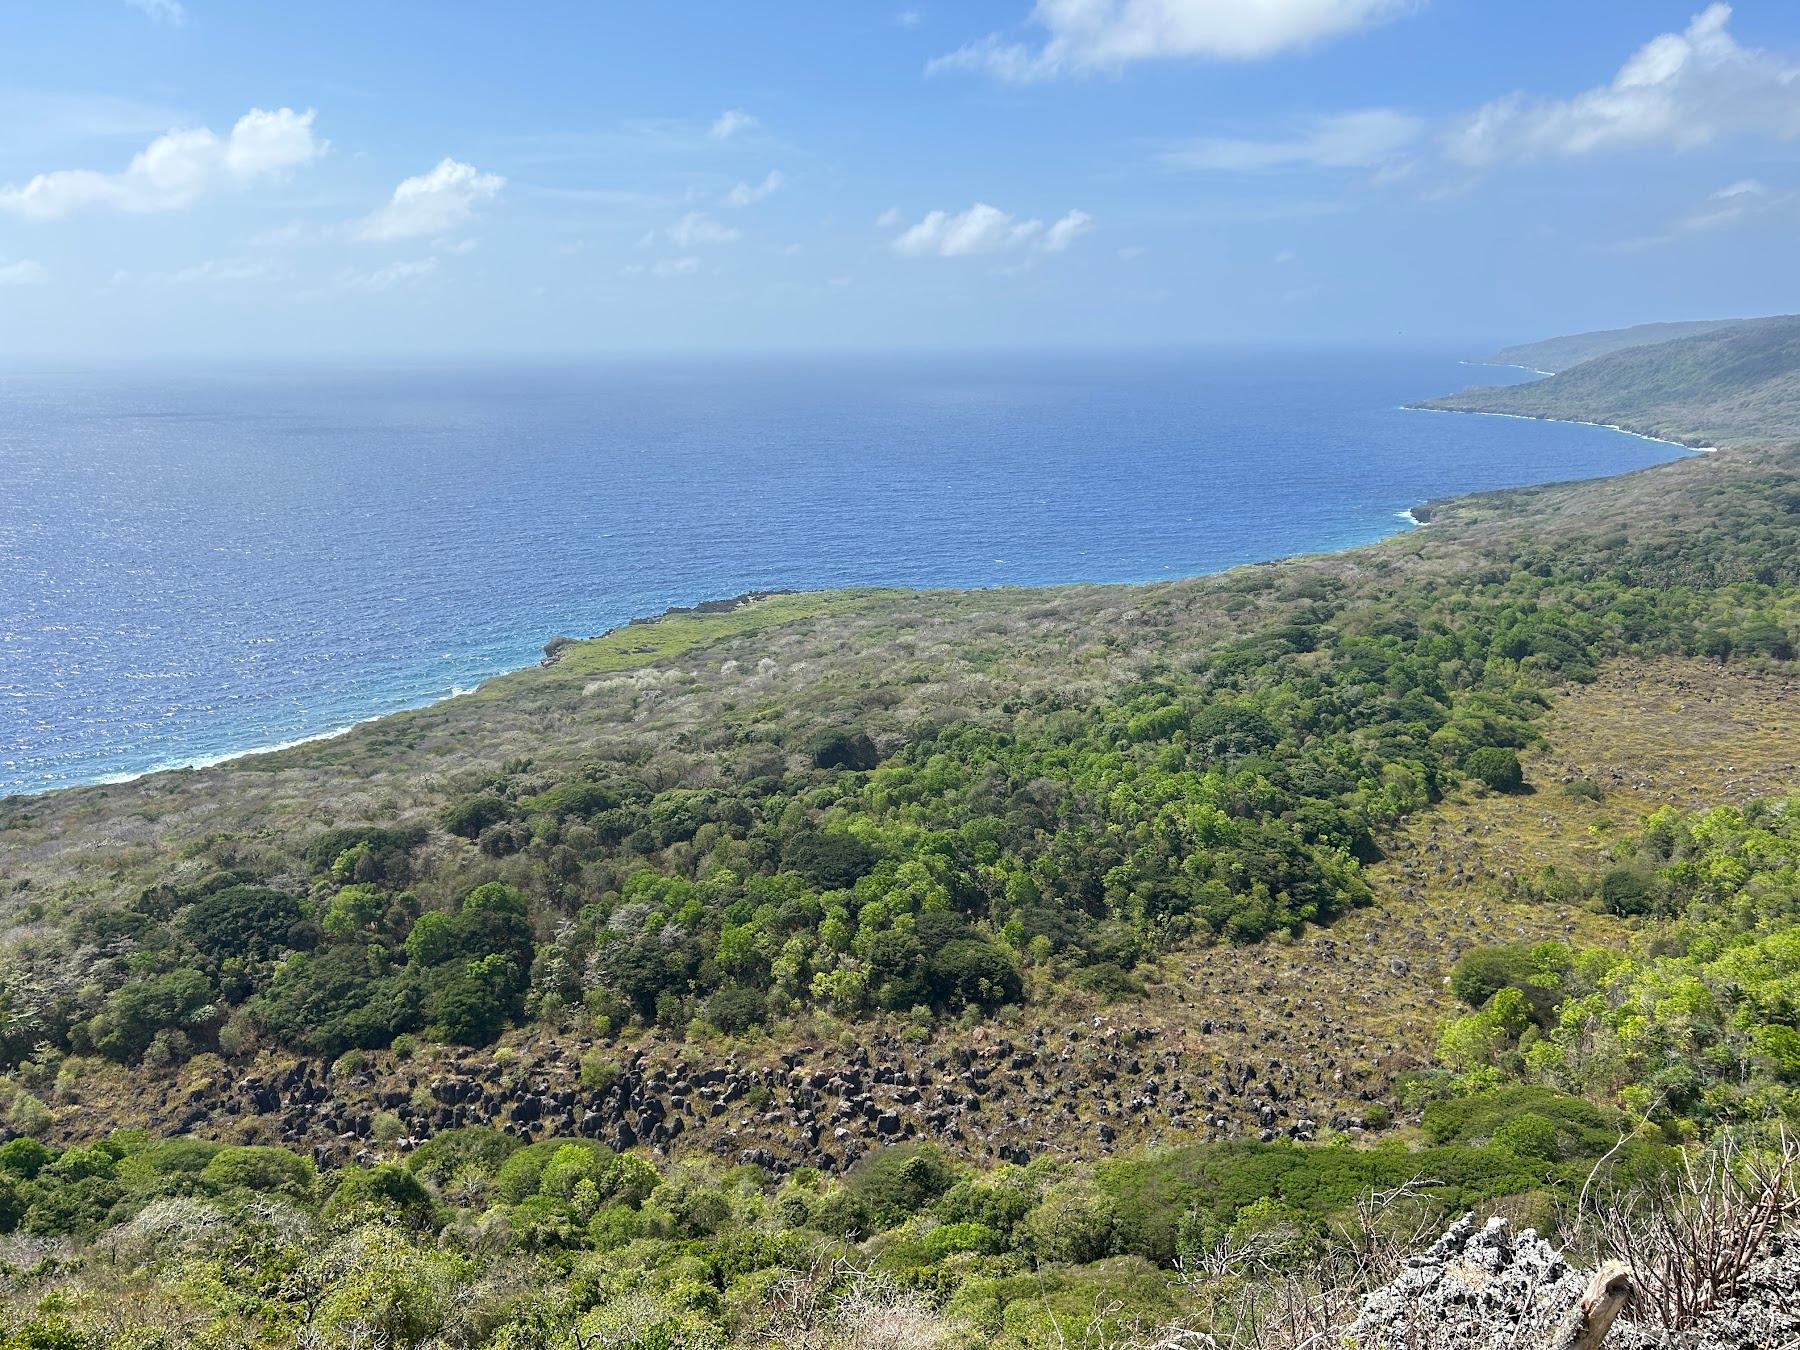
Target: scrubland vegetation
876, 815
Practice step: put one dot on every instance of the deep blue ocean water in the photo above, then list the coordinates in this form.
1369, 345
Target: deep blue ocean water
195, 565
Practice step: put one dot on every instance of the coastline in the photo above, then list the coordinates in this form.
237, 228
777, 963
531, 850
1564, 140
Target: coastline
209, 761
1509, 365
1408, 520
1569, 421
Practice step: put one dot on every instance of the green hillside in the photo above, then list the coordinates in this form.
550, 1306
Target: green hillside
1732, 386
1558, 354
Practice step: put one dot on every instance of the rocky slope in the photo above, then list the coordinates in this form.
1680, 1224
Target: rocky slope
1486, 1288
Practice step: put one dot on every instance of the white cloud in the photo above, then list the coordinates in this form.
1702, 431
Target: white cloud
748, 194
1355, 140
675, 267
987, 229
1679, 91
731, 122
386, 278
697, 229
171, 12
909, 18
433, 203
176, 169
1083, 36
25, 272
1067, 230
888, 218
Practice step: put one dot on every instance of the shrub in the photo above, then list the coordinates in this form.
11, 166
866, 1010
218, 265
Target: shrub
243, 921
480, 1147
1627, 893
1530, 1136
257, 1167
843, 750
598, 1072
829, 860
1497, 768
736, 1008
1109, 980
1535, 971
469, 817
895, 1183
382, 1192
1073, 1224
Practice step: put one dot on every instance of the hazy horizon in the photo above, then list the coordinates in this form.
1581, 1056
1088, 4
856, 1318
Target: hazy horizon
186, 180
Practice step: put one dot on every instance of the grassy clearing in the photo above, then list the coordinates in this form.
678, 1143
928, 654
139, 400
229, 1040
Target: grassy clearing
676, 634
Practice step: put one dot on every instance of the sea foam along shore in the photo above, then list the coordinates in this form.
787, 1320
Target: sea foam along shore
1509, 365
226, 756
1572, 421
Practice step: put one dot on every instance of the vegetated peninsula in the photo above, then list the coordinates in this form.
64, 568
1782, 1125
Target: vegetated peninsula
1070, 967
1554, 355
1730, 385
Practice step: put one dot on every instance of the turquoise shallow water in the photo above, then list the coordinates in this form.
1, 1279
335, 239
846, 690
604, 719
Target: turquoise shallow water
193, 565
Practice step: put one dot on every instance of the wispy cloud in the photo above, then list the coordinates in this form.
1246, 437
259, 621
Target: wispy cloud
223, 271
1085, 36
748, 194
732, 122
432, 203
1735, 204
171, 12
1354, 140
387, 278
24, 272
664, 269
697, 229
175, 170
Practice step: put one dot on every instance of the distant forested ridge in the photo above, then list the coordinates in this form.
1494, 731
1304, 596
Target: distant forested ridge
1732, 385
1554, 355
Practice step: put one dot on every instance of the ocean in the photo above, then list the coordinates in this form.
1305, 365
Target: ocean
195, 564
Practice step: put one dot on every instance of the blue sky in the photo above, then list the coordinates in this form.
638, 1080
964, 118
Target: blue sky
217, 177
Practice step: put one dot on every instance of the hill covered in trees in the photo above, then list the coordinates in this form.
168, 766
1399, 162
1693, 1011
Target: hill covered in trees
1734, 385
1554, 355
1024, 968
